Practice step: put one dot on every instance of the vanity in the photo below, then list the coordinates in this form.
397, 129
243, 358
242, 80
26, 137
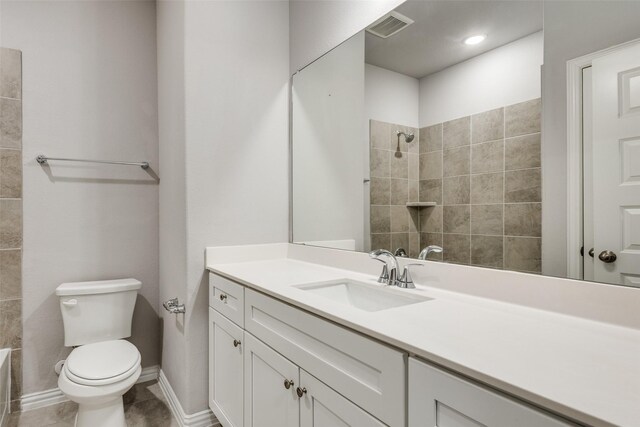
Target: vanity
307, 336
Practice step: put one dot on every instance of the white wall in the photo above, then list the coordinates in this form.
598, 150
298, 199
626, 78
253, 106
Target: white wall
230, 122
89, 90
318, 26
328, 135
572, 29
503, 76
391, 97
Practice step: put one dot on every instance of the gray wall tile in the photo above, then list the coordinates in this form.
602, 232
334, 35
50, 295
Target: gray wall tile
10, 123
522, 152
455, 190
10, 224
522, 118
487, 157
381, 241
380, 219
399, 165
431, 219
10, 274
487, 251
11, 323
431, 165
414, 191
399, 240
457, 248
522, 254
10, 173
487, 188
380, 164
522, 219
456, 219
380, 191
16, 374
414, 220
456, 161
431, 138
414, 166
487, 219
522, 186
456, 133
399, 219
487, 126
431, 190
379, 134
10, 73
399, 192
414, 245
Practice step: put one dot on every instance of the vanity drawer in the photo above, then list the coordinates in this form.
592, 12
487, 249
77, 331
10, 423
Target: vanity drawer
227, 297
368, 373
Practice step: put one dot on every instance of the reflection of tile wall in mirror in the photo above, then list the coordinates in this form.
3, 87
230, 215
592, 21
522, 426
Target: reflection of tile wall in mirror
487, 188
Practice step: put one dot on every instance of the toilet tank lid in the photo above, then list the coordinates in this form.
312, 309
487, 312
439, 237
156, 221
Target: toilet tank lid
98, 287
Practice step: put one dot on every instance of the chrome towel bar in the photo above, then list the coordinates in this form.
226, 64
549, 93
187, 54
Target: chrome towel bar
42, 159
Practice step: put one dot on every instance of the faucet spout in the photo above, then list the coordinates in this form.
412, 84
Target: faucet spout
391, 265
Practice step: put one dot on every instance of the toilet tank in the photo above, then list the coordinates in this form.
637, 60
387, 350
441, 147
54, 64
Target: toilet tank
97, 311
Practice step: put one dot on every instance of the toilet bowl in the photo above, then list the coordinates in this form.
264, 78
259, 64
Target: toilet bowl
102, 367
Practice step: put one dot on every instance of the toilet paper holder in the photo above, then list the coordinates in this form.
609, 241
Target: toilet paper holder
173, 307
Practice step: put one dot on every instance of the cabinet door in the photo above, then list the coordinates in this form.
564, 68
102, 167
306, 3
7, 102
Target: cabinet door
267, 400
225, 370
321, 406
439, 399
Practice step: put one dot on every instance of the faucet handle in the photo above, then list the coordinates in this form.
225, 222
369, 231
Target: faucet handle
384, 276
406, 280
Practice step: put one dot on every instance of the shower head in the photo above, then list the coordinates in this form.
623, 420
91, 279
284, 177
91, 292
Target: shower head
408, 137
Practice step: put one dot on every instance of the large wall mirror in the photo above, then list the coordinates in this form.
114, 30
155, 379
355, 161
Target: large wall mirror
468, 126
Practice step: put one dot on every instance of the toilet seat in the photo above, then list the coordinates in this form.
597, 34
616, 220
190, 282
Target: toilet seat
102, 363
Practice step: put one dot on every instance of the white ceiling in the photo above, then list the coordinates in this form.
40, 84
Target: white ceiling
434, 41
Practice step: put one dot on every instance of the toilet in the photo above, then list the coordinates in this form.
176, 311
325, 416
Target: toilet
102, 366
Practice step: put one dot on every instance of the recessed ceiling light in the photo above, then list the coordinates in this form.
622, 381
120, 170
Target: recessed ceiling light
475, 39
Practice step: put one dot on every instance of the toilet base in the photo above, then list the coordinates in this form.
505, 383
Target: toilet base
109, 413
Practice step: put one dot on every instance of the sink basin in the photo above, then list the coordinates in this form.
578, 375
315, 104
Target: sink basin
364, 296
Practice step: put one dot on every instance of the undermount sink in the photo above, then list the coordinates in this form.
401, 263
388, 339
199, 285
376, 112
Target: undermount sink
367, 297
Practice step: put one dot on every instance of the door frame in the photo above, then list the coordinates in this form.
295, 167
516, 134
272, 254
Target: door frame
574, 154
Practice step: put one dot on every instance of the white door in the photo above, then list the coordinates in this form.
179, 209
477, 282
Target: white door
268, 400
439, 399
321, 406
616, 166
225, 370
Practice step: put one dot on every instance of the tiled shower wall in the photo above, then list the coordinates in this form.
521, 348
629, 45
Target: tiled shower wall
11, 214
394, 182
483, 171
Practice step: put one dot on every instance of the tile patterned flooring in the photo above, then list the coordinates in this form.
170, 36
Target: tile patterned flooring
144, 406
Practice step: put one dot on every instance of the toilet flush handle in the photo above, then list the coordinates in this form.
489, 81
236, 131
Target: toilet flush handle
70, 302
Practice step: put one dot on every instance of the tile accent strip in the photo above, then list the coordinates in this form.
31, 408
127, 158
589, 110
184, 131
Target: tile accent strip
11, 214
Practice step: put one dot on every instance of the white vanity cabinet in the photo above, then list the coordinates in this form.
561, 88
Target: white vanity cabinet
439, 399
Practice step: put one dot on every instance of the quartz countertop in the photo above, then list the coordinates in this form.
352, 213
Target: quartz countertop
586, 370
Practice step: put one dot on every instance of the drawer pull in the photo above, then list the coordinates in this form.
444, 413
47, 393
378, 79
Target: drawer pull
301, 391
288, 384
223, 297
236, 343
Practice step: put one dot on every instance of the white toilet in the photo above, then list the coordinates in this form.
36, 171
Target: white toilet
102, 366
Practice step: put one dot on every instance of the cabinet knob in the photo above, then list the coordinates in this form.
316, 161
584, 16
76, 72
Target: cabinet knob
607, 257
288, 384
301, 391
236, 343
223, 297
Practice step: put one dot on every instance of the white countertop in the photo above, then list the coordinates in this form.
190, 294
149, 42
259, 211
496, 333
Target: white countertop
583, 369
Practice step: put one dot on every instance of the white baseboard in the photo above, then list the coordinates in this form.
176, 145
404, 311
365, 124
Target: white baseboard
199, 419
53, 396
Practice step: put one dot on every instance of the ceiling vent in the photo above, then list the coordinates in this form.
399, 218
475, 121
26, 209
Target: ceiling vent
389, 25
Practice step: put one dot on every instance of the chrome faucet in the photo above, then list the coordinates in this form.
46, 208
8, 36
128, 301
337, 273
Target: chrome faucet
429, 249
389, 273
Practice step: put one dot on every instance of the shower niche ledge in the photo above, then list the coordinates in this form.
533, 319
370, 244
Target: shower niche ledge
421, 205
